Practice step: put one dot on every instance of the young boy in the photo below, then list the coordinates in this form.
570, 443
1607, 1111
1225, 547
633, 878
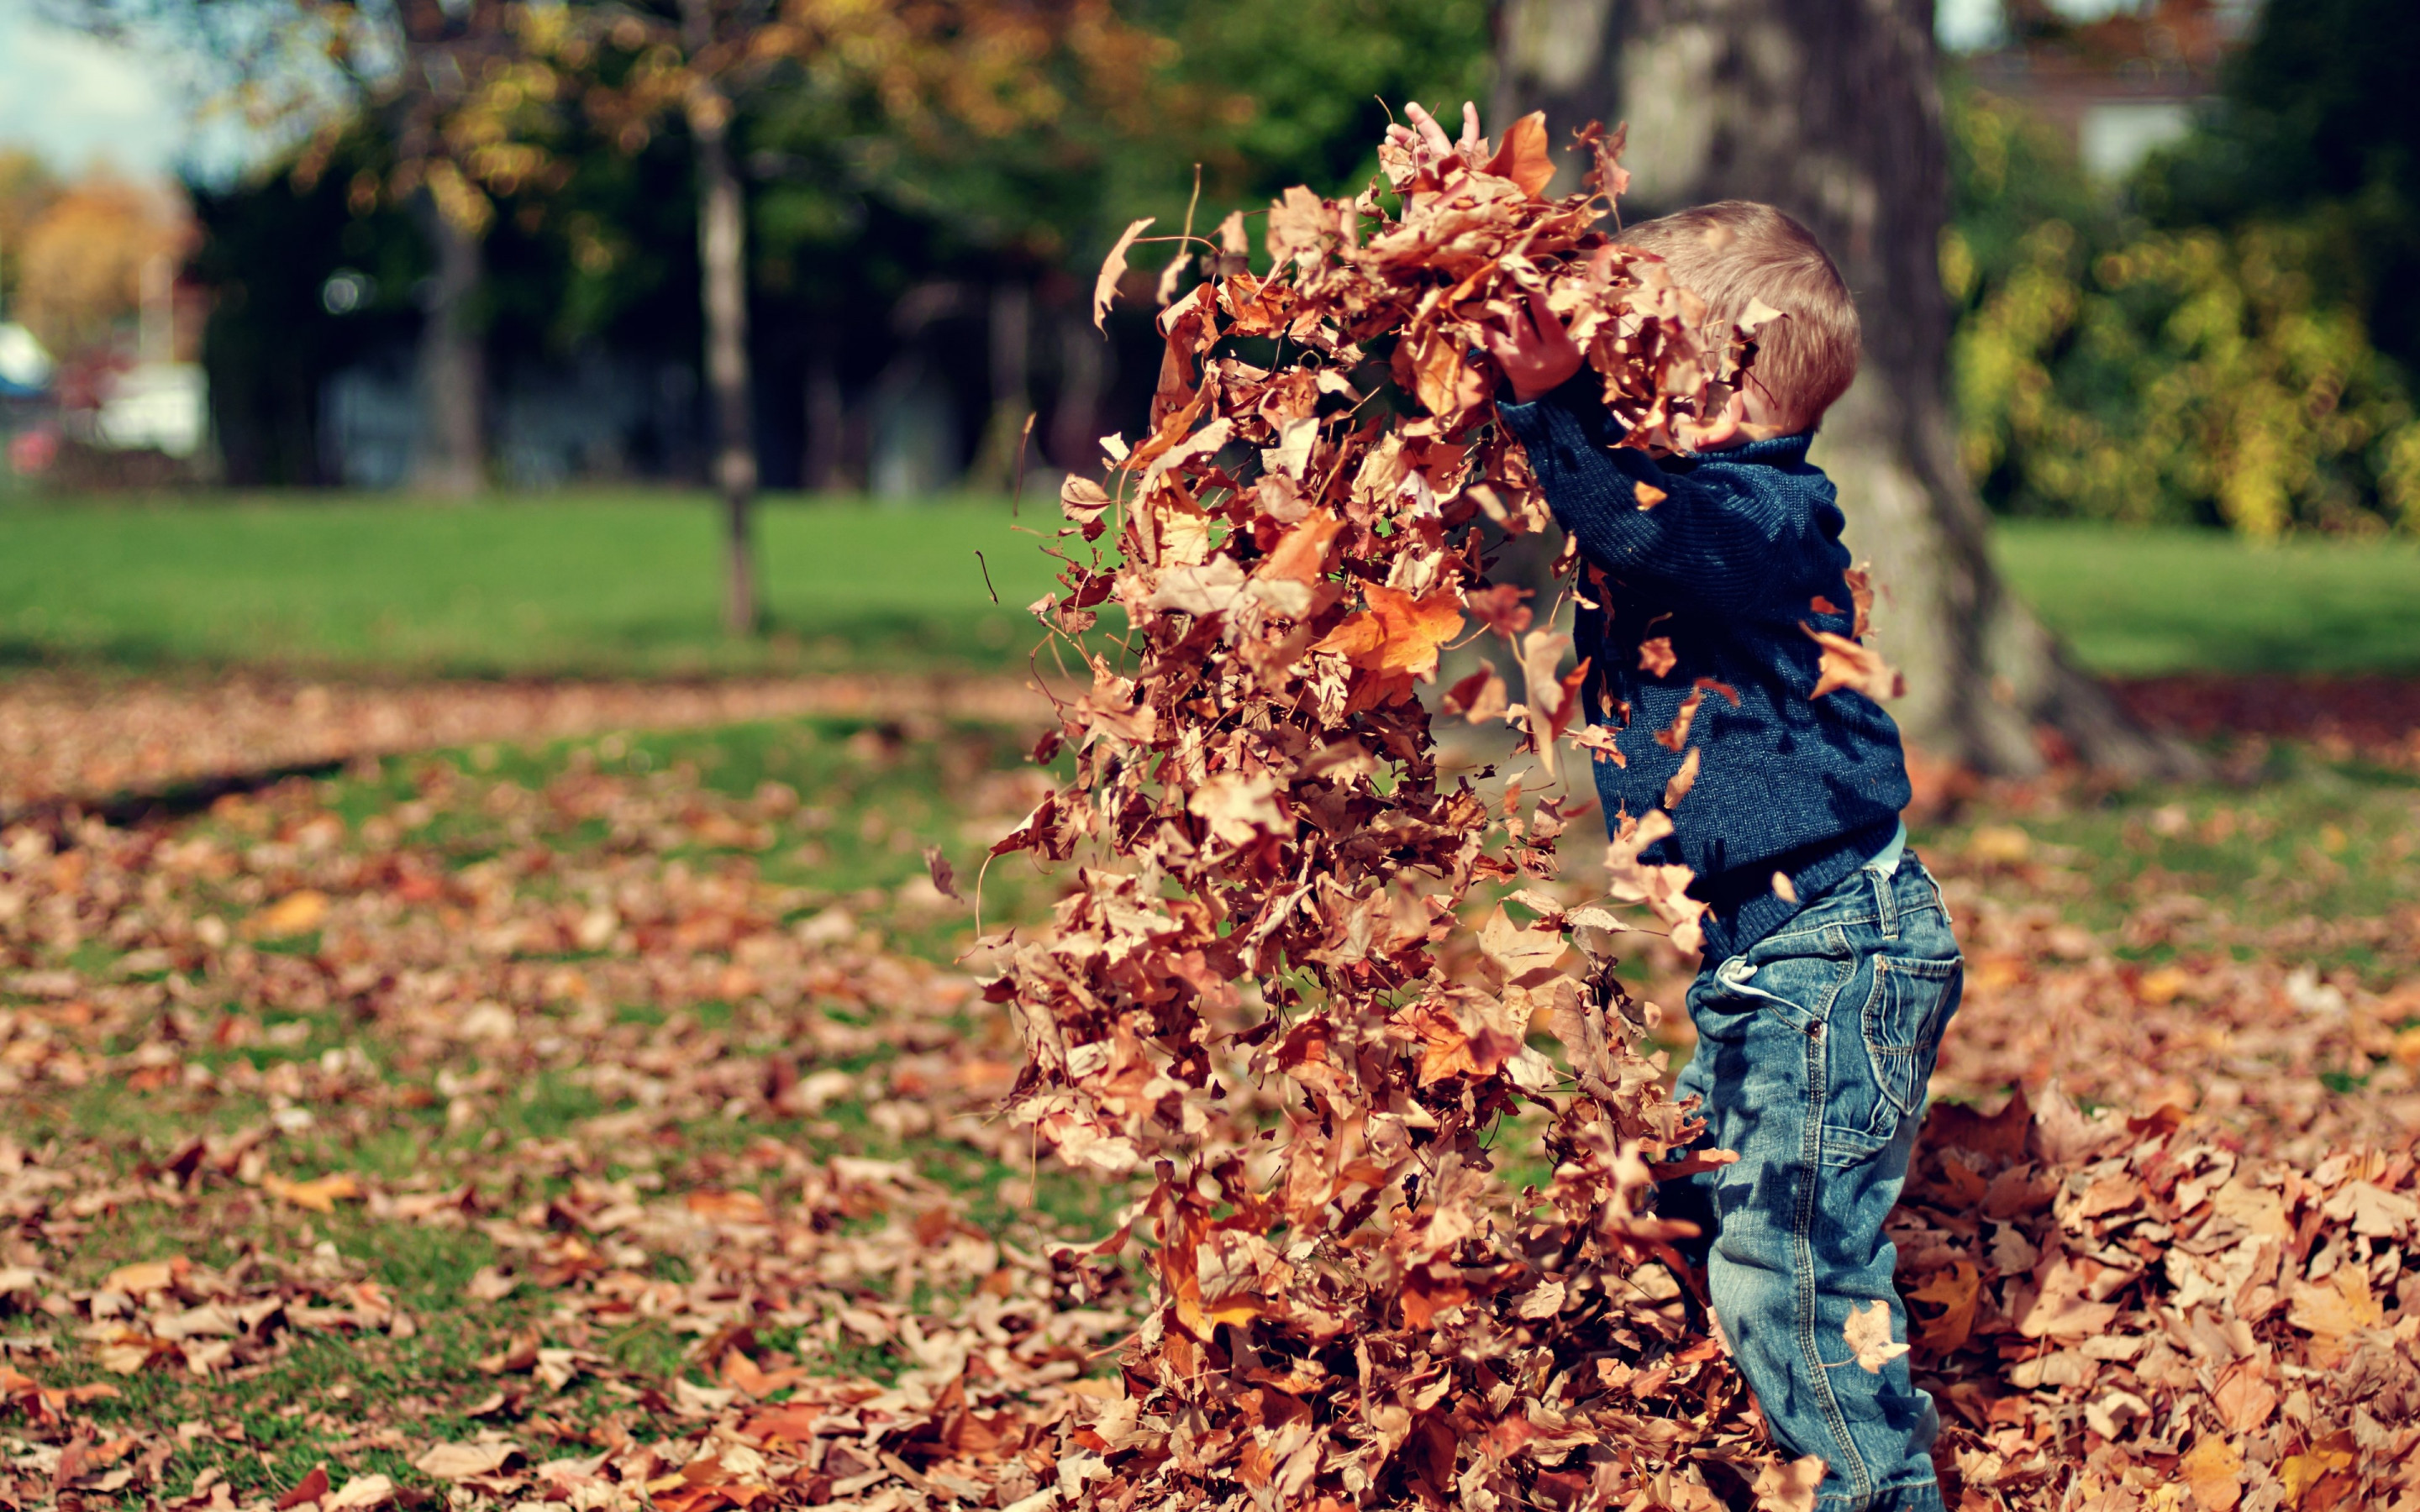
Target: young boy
1829, 967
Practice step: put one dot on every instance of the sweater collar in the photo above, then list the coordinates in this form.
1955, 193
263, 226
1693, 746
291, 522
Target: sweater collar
1780, 450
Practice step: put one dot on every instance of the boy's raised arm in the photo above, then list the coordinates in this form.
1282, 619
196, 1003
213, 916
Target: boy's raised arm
1706, 533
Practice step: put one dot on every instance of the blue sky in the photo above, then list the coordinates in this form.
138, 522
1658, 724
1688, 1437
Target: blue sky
80, 102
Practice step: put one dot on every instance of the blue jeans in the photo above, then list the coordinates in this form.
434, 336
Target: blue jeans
1813, 1052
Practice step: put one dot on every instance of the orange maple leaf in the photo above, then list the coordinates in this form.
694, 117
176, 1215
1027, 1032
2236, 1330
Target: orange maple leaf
1398, 635
1523, 157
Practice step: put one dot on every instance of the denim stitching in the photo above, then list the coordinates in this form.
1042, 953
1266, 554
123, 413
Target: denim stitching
1920, 975
1819, 1086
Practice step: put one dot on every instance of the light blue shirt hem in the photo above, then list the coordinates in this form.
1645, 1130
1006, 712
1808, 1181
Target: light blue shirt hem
1887, 859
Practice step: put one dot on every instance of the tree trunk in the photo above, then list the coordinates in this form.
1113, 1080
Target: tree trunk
453, 360
1828, 109
723, 258
1011, 328
1084, 361
827, 410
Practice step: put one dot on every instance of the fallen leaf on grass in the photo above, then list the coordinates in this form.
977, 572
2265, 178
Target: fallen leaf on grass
310, 1488
321, 1194
461, 1461
745, 1375
146, 1275
488, 1284
362, 1492
297, 913
740, 1207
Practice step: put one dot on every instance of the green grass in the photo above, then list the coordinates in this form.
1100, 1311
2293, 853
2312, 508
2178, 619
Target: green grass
629, 582
871, 802
2277, 859
601, 583
2141, 602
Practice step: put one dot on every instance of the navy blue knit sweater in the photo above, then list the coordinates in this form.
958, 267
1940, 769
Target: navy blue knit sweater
1729, 567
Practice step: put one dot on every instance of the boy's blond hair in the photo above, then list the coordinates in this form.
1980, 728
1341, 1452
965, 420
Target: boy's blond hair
1736, 251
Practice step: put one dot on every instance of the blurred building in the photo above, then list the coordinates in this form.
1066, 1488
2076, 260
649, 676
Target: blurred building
2119, 86
160, 401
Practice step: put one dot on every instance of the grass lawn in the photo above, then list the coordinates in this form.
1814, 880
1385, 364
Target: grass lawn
602, 584
2137, 603
629, 583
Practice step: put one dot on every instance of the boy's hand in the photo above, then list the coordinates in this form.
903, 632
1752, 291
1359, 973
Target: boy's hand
1722, 430
1425, 140
1535, 352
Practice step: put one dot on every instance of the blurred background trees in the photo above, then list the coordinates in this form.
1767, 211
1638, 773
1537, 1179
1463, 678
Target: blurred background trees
826, 245
2226, 334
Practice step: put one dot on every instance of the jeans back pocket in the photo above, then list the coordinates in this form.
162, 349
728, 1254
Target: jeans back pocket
1903, 1021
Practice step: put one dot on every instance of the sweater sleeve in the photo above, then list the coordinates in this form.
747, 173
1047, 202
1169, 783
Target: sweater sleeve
1713, 535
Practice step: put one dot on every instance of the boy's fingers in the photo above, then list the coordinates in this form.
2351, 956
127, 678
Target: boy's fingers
1469, 124
1432, 134
1543, 313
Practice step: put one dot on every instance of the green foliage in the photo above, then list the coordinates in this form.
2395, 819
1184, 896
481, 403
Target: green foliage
2112, 370
1261, 94
2318, 122
1305, 88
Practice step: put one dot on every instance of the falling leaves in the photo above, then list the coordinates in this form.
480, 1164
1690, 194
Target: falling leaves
1298, 994
1113, 267
1869, 1332
1396, 636
1852, 664
1243, 996
945, 879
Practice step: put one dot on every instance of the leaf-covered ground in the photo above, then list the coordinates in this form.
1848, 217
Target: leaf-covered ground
611, 1121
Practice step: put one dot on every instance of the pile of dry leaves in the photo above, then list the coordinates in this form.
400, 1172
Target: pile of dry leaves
2139, 1313
1354, 1302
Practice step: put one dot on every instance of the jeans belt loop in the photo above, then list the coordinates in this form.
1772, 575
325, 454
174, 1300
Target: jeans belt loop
1885, 903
